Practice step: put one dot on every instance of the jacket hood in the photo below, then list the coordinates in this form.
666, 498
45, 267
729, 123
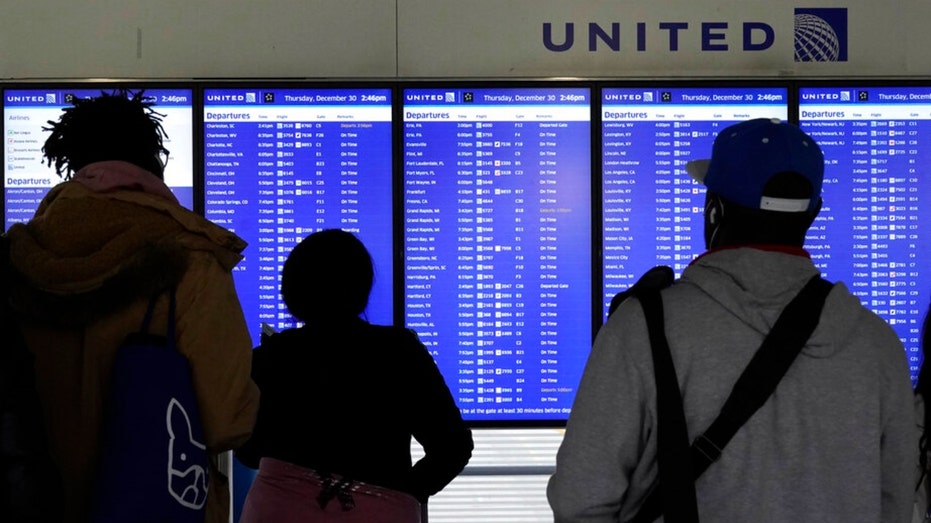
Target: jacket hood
755, 286
113, 175
88, 252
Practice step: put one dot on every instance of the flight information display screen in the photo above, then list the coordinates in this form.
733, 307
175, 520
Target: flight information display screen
652, 210
871, 232
28, 179
280, 164
497, 243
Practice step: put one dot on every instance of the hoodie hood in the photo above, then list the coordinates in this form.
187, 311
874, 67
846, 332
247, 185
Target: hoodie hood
114, 175
755, 285
89, 251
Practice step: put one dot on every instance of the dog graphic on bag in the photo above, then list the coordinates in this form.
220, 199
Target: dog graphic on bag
187, 480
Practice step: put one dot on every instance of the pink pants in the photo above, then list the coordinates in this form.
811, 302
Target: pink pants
286, 493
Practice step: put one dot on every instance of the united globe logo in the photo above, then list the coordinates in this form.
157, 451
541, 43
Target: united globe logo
815, 40
821, 35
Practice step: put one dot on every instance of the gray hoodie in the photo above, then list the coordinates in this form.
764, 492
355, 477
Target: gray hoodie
835, 442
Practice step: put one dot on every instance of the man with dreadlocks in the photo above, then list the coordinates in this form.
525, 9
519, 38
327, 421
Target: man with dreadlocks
101, 244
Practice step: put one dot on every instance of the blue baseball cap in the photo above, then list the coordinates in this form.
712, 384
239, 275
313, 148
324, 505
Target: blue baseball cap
745, 156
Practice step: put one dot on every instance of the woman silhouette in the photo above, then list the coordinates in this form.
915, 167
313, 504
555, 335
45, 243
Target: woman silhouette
341, 399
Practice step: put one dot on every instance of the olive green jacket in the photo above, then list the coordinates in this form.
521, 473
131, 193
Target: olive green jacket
89, 262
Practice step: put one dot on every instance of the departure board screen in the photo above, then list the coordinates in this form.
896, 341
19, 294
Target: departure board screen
871, 233
280, 164
652, 211
497, 243
28, 178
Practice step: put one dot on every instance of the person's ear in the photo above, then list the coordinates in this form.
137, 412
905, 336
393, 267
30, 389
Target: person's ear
714, 210
714, 213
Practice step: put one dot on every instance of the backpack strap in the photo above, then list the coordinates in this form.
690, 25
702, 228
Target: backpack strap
170, 328
754, 386
676, 484
147, 319
657, 278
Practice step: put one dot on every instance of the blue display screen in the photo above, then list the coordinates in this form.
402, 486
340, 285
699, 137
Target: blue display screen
280, 164
651, 208
870, 233
497, 243
28, 179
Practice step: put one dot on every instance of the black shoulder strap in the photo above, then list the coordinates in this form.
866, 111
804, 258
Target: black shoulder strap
770, 363
150, 309
767, 367
657, 278
676, 484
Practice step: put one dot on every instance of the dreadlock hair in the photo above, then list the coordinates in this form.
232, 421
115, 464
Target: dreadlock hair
120, 125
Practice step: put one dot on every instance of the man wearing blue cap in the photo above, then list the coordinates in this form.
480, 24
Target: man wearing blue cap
834, 441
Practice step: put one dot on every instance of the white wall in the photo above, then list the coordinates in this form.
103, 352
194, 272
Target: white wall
182, 39
197, 38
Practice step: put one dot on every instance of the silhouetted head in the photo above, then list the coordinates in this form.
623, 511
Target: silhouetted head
328, 276
764, 184
113, 126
